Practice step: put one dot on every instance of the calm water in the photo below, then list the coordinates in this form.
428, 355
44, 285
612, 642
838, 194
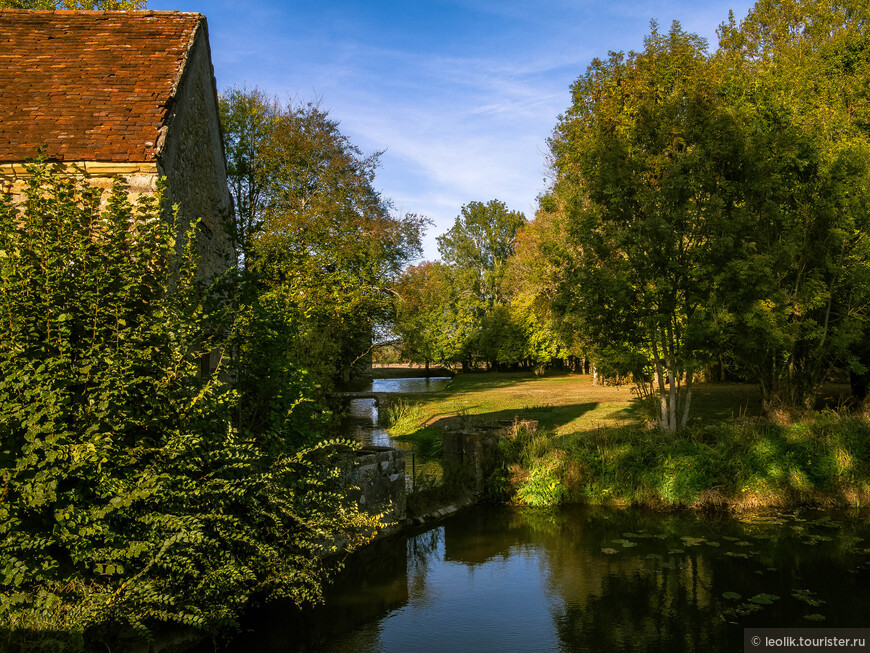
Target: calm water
585, 579
363, 413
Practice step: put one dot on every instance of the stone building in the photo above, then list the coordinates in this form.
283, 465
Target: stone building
119, 94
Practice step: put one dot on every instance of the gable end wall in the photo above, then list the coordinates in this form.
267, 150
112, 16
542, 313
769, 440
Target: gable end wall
191, 156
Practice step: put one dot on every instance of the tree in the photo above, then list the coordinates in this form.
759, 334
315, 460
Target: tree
431, 328
105, 5
318, 240
797, 303
131, 496
648, 167
478, 245
476, 249
532, 278
249, 120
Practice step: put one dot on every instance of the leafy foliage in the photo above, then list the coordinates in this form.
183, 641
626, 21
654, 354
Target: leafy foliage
822, 461
716, 205
316, 236
129, 496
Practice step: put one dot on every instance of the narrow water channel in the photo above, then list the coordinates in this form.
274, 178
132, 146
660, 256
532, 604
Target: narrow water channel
362, 424
585, 579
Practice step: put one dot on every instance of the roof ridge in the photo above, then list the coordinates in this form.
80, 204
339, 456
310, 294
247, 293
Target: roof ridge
128, 12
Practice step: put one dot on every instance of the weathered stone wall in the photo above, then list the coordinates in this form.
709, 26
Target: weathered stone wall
191, 156
473, 451
139, 177
375, 478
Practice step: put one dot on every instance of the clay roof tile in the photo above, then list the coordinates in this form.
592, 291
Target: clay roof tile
105, 77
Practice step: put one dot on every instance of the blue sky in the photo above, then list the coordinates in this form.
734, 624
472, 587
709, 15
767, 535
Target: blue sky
461, 94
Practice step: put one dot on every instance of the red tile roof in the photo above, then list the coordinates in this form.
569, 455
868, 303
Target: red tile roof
89, 85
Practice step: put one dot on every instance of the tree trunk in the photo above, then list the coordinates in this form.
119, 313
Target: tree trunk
687, 400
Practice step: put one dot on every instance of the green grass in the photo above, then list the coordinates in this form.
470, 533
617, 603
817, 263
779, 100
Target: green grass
824, 460
563, 403
592, 444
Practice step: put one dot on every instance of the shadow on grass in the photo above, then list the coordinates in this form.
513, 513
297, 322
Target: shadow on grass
427, 439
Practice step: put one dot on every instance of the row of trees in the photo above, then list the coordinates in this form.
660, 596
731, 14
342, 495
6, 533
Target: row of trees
706, 208
480, 303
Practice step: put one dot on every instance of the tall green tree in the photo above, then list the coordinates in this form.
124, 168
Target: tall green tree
429, 319
476, 249
318, 239
648, 165
478, 246
798, 299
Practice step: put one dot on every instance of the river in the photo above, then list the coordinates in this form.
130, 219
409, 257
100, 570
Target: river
585, 579
496, 578
362, 424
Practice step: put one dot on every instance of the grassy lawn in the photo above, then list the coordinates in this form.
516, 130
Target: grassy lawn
590, 444
563, 404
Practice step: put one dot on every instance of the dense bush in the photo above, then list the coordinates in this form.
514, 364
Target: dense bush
128, 495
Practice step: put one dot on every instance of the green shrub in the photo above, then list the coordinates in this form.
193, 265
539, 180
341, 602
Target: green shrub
128, 494
544, 485
822, 459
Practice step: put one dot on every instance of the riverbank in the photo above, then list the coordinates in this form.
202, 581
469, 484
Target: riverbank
591, 445
740, 466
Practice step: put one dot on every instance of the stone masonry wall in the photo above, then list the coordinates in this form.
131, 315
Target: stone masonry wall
375, 478
191, 156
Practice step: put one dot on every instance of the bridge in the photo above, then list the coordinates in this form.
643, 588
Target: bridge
350, 396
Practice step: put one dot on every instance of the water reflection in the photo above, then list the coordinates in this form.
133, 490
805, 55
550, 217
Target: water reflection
585, 579
412, 385
361, 424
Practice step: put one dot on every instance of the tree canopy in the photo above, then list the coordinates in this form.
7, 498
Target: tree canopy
316, 237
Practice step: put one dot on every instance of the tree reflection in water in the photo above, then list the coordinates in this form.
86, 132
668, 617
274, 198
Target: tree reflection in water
586, 579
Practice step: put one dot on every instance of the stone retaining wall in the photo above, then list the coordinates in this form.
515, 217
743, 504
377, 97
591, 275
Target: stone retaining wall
375, 478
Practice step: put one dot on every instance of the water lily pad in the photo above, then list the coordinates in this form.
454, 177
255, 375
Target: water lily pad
692, 541
628, 544
667, 565
815, 617
675, 552
764, 599
653, 556
743, 543
712, 543
733, 554
618, 541
630, 535
731, 596
728, 538
807, 597
609, 551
